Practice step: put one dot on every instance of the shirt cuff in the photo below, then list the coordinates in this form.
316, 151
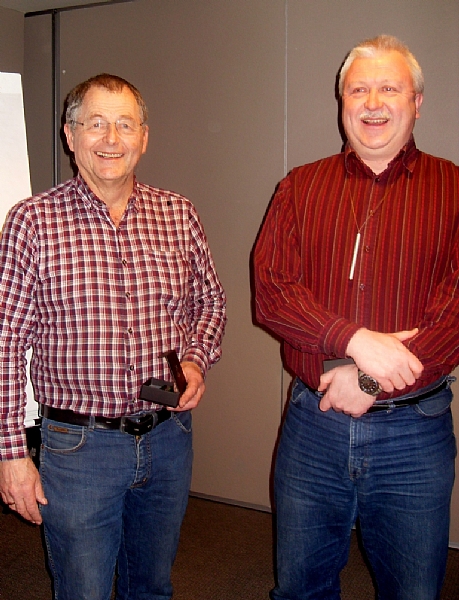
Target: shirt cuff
13, 445
336, 337
197, 356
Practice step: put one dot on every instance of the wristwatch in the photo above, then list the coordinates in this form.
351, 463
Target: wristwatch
368, 384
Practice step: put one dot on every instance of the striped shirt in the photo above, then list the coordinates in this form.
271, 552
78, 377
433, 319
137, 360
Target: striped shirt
406, 272
100, 304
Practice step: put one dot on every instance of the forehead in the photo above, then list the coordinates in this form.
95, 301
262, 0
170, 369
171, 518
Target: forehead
102, 102
387, 66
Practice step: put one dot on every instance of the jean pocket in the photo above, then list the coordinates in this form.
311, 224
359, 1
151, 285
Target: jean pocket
183, 420
436, 406
300, 393
61, 437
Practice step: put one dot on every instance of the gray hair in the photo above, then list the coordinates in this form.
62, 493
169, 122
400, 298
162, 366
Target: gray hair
371, 48
112, 83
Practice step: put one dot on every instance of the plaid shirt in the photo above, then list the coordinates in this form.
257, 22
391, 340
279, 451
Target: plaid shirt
100, 304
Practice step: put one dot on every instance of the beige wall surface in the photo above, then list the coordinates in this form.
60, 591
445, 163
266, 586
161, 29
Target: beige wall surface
11, 41
38, 106
239, 92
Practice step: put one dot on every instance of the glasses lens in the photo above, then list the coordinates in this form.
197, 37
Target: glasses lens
127, 126
124, 127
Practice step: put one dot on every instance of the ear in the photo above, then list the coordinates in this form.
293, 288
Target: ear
145, 139
69, 135
418, 101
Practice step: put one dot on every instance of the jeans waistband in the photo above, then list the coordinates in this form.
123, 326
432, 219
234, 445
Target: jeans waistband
415, 397
134, 424
407, 399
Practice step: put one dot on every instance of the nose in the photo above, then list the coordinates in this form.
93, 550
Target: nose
111, 135
373, 100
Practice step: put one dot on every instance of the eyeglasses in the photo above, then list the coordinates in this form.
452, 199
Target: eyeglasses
124, 127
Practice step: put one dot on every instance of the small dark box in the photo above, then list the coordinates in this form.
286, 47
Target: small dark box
159, 392
162, 392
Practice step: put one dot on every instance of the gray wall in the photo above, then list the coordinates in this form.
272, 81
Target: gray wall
239, 93
11, 41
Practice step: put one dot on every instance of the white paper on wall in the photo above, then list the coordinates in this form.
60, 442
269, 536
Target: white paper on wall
14, 172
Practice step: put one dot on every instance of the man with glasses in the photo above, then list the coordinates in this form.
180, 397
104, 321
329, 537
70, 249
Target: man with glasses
101, 276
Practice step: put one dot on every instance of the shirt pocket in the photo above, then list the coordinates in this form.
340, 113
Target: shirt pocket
169, 273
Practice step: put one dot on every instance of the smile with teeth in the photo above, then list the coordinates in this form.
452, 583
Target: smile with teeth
109, 154
380, 119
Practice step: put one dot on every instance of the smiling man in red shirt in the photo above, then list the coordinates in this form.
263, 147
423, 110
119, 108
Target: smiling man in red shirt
357, 271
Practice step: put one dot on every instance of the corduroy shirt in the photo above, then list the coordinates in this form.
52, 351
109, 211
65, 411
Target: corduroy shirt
406, 272
99, 304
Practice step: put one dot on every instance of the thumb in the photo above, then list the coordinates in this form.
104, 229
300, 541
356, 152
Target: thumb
40, 494
324, 404
402, 336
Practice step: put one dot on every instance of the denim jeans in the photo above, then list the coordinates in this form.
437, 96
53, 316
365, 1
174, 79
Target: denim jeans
114, 498
394, 470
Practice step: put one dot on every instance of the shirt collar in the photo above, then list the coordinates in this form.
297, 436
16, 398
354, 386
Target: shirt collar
406, 158
90, 199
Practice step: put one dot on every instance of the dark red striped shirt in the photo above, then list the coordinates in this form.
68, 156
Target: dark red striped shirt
407, 269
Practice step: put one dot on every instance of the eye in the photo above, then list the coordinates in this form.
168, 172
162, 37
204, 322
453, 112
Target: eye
358, 91
96, 124
388, 89
125, 125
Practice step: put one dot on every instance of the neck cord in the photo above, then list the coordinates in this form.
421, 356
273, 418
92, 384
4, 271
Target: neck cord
370, 213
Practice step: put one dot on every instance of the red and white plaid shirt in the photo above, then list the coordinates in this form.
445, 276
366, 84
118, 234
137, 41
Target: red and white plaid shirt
100, 304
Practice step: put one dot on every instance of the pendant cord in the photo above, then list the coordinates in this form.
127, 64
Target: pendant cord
370, 213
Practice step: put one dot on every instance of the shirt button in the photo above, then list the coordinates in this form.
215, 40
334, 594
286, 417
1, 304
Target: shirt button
130, 330
367, 248
131, 367
362, 286
128, 294
124, 261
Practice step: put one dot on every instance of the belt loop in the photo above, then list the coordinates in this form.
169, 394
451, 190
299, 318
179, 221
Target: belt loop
91, 424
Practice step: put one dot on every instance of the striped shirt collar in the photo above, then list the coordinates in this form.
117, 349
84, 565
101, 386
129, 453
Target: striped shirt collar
406, 157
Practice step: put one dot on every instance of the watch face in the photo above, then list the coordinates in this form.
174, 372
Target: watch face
369, 385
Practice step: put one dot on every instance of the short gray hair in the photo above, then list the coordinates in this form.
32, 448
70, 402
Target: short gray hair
372, 48
112, 83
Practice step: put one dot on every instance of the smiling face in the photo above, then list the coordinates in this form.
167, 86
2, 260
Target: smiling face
380, 107
107, 161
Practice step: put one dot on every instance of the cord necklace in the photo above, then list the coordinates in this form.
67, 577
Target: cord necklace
370, 214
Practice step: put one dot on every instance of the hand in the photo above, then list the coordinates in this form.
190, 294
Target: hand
384, 357
342, 392
195, 387
21, 489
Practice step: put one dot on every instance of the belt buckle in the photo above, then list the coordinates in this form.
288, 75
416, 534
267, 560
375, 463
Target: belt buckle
139, 425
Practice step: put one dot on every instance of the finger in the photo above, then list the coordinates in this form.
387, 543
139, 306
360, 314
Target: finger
325, 404
28, 513
416, 366
191, 402
325, 381
40, 494
402, 336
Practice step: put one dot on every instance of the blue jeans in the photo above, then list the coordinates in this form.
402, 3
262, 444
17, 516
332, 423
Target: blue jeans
394, 470
113, 498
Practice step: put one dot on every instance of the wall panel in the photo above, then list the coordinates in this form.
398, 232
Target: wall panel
11, 41
38, 99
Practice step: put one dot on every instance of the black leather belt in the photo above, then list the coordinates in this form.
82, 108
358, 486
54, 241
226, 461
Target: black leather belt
400, 403
134, 424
